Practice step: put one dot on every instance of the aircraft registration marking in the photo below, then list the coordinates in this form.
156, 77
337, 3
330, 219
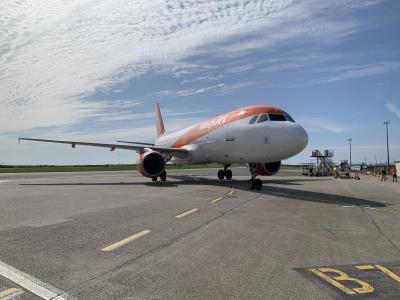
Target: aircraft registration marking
193, 210
123, 242
365, 281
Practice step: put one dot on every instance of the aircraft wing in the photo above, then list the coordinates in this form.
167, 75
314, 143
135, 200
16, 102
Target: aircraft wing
177, 152
136, 143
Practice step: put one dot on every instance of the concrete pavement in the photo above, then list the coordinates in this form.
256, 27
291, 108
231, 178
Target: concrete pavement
194, 237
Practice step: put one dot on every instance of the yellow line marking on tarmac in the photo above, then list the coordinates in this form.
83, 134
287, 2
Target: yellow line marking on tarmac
10, 292
365, 267
126, 241
333, 282
187, 213
385, 270
389, 273
231, 192
217, 200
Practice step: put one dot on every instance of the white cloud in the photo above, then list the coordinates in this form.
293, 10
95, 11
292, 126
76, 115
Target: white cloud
394, 109
317, 124
55, 53
190, 92
365, 3
121, 116
299, 61
360, 71
340, 72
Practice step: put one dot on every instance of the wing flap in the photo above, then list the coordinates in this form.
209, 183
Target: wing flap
136, 143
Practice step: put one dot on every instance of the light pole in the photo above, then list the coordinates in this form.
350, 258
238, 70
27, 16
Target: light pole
386, 123
349, 140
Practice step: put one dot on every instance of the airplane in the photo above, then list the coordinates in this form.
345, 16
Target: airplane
259, 136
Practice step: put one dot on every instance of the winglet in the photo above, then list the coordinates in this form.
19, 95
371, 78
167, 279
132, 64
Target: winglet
19, 140
160, 123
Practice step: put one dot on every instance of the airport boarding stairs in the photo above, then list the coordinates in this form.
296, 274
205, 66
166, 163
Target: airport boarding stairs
325, 164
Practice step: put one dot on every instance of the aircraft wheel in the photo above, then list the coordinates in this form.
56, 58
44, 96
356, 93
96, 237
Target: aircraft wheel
228, 174
221, 174
154, 178
251, 184
163, 176
258, 184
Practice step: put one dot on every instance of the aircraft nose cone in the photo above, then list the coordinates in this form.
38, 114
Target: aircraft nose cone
301, 138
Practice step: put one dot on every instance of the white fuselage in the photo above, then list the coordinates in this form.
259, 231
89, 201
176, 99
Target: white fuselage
241, 142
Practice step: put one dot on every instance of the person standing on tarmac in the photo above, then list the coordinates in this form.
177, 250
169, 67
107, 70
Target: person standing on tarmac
394, 173
383, 174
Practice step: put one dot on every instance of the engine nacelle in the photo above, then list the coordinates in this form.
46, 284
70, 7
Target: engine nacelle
268, 169
150, 164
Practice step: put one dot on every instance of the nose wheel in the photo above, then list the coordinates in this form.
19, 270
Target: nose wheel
225, 173
254, 183
163, 177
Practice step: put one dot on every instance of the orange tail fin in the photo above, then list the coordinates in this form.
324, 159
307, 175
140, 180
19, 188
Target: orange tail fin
160, 123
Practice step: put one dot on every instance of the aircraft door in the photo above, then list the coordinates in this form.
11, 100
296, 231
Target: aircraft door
230, 132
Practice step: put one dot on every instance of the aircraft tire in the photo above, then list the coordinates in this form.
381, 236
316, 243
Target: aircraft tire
228, 174
221, 174
258, 184
154, 178
163, 176
251, 184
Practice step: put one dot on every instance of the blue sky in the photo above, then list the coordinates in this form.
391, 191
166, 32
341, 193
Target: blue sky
92, 70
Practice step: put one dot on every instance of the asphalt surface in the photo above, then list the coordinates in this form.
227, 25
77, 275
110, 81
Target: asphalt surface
117, 235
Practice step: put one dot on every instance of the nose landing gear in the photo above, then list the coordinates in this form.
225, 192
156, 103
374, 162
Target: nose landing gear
163, 177
254, 183
225, 173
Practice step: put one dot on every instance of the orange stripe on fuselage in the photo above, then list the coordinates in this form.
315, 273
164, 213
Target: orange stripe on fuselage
205, 127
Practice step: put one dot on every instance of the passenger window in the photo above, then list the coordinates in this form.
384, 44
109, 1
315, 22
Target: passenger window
263, 118
253, 119
289, 118
277, 117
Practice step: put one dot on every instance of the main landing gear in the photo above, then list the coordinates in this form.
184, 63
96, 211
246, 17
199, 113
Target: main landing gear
254, 183
163, 177
225, 173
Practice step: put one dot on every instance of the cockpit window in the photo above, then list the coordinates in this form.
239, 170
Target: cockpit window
277, 117
263, 118
289, 118
271, 117
253, 119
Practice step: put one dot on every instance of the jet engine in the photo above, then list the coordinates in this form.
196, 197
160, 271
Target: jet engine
268, 169
150, 164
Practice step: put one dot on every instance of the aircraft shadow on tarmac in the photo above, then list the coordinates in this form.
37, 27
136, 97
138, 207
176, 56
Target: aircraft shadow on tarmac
275, 191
